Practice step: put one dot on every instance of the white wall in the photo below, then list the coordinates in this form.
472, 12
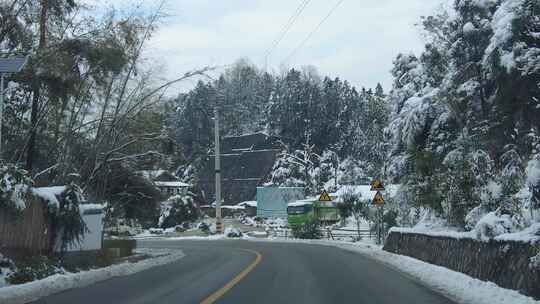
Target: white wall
272, 201
92, 239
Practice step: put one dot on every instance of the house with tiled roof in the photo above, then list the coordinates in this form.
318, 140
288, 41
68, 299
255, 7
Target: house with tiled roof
246, 161
167, 183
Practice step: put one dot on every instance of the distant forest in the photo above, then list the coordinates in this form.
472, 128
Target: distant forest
458, 129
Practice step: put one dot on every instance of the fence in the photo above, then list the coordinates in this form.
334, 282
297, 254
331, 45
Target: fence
331, 234
26, 232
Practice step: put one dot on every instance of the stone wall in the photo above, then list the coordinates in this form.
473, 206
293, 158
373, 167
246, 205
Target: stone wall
506, 263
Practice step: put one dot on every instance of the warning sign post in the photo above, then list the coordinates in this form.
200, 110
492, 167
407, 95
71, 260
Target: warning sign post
325, 197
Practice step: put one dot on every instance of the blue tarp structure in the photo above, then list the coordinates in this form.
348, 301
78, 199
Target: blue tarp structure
272, 201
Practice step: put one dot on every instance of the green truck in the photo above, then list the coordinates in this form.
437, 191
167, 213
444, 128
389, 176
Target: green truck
298, 212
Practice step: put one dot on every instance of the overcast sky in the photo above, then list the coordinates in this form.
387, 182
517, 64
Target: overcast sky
357, 42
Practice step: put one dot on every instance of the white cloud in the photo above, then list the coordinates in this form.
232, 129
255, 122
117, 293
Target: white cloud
357, 43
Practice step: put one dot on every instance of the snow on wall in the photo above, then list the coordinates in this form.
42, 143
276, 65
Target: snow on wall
49, 194
487, 227
506, 263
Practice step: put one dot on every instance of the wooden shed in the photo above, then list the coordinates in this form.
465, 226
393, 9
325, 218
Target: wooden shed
31, 231
27, 232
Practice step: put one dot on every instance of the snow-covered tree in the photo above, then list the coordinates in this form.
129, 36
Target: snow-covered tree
460, 134
177, 210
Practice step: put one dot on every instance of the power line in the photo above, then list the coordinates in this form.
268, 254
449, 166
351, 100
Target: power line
286, 28
312, 32
288, 25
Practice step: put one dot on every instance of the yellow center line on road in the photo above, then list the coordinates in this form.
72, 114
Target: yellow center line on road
220, 292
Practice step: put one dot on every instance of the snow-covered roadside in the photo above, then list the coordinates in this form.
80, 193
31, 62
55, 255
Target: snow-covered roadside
25, 293
457, 286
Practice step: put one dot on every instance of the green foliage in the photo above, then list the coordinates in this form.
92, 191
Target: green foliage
358, 206
308, 230
345, 209
132, 196
389, 219
66, 219
37, 268
204, 227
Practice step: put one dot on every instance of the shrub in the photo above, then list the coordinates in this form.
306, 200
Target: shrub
389, 219
204, 227
308, 230
67, 224
37, 268
345, 209
232, 232
177, 210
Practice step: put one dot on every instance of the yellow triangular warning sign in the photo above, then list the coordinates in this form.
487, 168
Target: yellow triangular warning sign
377, 185
324, 197
378, 199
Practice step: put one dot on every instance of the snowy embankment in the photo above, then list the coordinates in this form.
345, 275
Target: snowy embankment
455, 285
528, 235
31, 291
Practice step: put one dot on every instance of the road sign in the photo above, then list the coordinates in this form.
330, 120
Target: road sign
378, 199
377, 185
324, 197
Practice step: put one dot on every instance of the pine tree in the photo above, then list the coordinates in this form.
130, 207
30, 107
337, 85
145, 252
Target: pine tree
379, 92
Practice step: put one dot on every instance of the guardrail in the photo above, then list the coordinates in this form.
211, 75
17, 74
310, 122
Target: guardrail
331, 234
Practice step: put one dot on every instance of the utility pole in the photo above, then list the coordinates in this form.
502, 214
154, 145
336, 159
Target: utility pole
336, 169
380, 225
219, 223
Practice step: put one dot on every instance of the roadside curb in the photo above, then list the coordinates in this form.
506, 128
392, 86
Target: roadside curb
24, 293
456, 286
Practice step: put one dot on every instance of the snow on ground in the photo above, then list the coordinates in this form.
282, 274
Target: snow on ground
4, 269
248, 221
25, 293
351, 223
248, 204
455, 285
258, 233
213, 237
4, 272
234, 207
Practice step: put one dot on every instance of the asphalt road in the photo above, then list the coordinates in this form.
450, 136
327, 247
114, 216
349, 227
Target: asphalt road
264, 272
